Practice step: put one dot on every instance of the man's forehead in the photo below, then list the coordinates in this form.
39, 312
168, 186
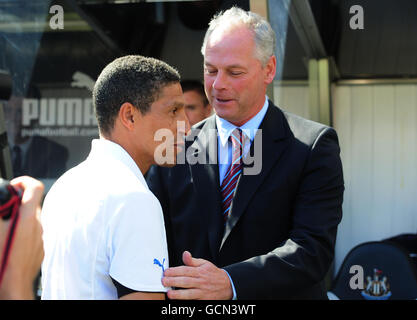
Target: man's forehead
173, 101
170, 95
224, 33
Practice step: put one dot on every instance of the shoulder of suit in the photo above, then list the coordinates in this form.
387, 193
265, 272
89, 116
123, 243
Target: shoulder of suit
307, 131
200, 125
42, 143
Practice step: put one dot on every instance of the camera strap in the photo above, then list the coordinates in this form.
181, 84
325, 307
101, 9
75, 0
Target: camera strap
9, 210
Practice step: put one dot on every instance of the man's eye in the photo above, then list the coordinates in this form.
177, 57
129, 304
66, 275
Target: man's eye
211, 71
236, 73
174, 111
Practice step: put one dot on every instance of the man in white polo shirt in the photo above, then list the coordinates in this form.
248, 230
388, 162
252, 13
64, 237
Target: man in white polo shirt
103, 228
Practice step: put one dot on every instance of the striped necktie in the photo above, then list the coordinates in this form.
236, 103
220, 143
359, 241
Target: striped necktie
228, 186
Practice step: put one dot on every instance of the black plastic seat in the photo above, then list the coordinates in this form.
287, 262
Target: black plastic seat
388, 273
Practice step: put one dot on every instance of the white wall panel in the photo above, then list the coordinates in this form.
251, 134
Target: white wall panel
377, 128
384, 164
293, 99
343, 113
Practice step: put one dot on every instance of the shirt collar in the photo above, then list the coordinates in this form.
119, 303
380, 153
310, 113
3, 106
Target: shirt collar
102, 149
249, 129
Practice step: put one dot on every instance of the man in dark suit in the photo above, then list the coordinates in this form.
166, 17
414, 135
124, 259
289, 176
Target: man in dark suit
39, 157
34, 156
260, 230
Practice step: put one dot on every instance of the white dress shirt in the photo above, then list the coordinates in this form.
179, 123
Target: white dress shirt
225, 128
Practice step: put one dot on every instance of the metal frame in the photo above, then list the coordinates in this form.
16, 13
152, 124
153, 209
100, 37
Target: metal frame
320, 67
306, 28
96, 26
373, 81
320, 94
292, 83
261, 7
6, 170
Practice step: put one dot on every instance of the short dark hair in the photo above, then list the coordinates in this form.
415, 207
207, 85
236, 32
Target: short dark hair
134, 79
195, 85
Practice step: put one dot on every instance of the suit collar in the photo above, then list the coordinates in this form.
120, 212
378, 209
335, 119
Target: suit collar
274, 123
250, 128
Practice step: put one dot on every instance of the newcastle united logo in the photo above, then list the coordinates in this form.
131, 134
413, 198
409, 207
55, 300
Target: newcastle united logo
376, 288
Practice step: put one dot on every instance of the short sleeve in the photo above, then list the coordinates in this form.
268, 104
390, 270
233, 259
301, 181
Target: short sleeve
136, 243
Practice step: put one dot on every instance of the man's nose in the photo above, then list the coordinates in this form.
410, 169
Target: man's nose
220, 81
183, 129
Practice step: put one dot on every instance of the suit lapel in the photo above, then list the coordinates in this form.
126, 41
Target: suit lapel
202, 157
274, 141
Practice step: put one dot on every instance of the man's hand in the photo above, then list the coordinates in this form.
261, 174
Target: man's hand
198, 279
27, 249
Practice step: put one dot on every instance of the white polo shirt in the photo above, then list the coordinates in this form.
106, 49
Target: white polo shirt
100, 220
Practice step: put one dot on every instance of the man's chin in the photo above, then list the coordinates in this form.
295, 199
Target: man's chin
225, 114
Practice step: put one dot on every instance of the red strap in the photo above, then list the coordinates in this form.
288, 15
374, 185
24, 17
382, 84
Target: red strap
9, 210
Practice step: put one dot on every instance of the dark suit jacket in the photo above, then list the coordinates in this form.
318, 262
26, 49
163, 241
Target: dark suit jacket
279, 240
45, 158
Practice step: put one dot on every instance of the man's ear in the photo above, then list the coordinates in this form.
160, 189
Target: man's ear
127, 114
270, 69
